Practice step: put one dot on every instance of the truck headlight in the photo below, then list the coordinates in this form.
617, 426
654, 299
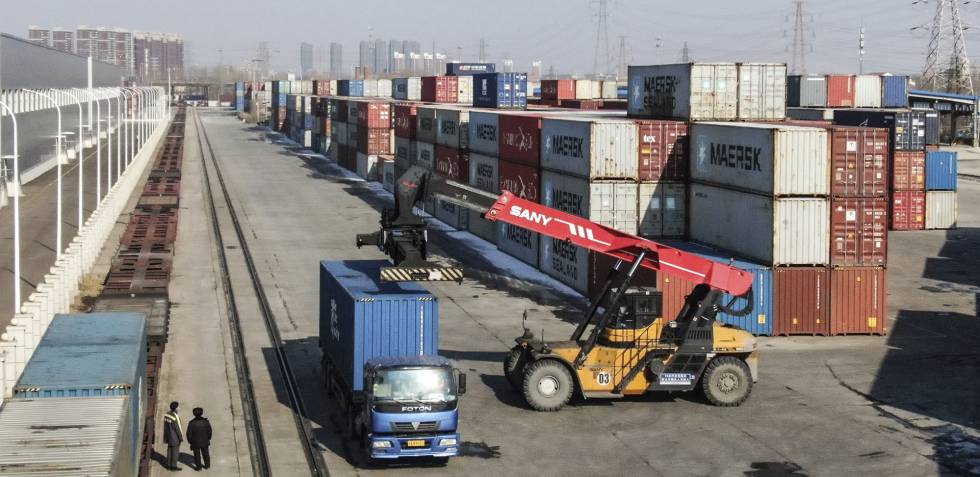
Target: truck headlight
447, 442
381, 444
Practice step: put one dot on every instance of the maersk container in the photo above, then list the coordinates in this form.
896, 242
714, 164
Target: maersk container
425, 155
690, 91
451, 214
772, 231
69, 437
524, 181
590, 148
941, 169
908, 128
610, 203
588, 89
452, 127
500, 90
806, 91
407, 89
894, 91
362, 317
405, 151
663, 209
484, 132
941, 209
426, 126
769, 159
761, 91
484, 173
759, 320
867, 91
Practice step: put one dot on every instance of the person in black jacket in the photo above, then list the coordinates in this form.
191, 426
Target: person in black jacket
199, 437
173, 435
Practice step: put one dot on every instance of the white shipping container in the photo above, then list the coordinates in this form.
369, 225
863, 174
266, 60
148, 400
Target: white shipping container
780, 231
588, 89
426, 157
407, 89
941, 209
426, 125
370, 88
384, 88
610, 203
484, 132
465, 92
452, 127
689, 91
481, 227
867, 91
610, 90
484, 173
367, 166
388, 175
339, 132
591, 148
663, 209
533, 86
452, 215
762, 91
332, 88
519, 243
767, 159
307, 138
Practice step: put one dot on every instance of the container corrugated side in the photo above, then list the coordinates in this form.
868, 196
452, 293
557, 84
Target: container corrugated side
782, 231
484, 175
806, 91
764, 158
70, 437
894, 91
427, 125
590, 148
801, 301
694, 91
941, 209
662, 209
362, 317
525, 182
484, 132
761, 91
663, 150
859, 232
520, 138
857, 301
425, 155
452, 126
588, 89
908, 210
840, 91
941, 170
867, 91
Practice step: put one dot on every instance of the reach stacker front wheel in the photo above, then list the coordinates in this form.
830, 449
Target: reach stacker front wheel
514, 365
548, 385
727, 382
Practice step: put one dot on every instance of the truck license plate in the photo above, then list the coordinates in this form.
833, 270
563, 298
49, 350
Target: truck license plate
415, 443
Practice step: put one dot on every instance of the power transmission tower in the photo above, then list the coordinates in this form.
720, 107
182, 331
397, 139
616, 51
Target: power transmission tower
947, 68
601, 38
800, 29
483, 50
685, 54
623, 59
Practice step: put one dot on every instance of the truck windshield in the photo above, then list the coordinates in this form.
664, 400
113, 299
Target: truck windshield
414, 384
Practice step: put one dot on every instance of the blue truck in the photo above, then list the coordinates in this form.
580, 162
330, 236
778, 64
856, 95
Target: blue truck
380, 343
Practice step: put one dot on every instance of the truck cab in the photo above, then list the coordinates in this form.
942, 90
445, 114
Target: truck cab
410, 407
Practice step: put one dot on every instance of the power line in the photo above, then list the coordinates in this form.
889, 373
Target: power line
601, 37
799, 45
947, 67
623, 60
685, 54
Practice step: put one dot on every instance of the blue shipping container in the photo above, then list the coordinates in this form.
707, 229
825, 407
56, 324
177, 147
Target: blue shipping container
941, 170
362, 317
894, 91
760, 320
500, 90
350, 87
908, 127
467, 69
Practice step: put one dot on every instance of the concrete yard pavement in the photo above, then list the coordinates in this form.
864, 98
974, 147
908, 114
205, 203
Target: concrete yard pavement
904, 404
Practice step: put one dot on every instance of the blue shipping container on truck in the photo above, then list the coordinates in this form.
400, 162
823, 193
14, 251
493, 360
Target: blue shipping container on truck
362, 317
760, 320
467, 69
941, 169
500, 90
894, 91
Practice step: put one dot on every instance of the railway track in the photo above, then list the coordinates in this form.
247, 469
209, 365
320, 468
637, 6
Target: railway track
257, 442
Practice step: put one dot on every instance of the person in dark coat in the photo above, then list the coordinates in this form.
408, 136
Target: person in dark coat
173, 435
199, 437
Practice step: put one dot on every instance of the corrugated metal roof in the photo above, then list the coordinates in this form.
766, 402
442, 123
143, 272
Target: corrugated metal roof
940, 94
60, 437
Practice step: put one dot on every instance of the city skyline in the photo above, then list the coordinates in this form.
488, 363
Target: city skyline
148, 55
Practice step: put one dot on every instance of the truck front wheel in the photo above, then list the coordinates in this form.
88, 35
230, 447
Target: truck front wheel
727, 382
514, 365
548, 385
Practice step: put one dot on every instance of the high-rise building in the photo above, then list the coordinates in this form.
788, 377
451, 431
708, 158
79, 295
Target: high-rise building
63, 39
380, 56
138, 52
106, 44
535, 73
395, 47
321, 57
305, 59
336, 60
41, 36
156, 54
366, 57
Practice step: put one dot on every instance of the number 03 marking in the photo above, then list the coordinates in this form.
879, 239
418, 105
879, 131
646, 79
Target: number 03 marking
603, 378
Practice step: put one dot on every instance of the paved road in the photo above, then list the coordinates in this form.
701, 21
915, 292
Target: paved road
903, 404
38, 225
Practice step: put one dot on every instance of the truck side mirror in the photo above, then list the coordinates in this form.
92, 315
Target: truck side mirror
461, 386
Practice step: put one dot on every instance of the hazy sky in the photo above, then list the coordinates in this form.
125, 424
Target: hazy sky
560, 32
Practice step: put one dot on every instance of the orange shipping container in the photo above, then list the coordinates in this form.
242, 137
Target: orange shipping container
857, 301
801, 301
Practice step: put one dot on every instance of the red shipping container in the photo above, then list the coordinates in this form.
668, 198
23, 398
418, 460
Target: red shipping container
583, 104
374, 141
909, 170
557, 89
675, 291
908, 210
440, 89
663, 150
859, 160
601, 264
801, 299
520, 179
520, 139
452, 164
404, 120
327, 125
374, 114
840, 91
858, 232
857, 301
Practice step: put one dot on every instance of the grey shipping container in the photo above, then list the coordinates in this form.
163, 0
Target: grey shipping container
426, 124
941, 210
452, 128
810, 114
663, 209
806, 91
590, 148
689, 91
761, 91
484, 132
